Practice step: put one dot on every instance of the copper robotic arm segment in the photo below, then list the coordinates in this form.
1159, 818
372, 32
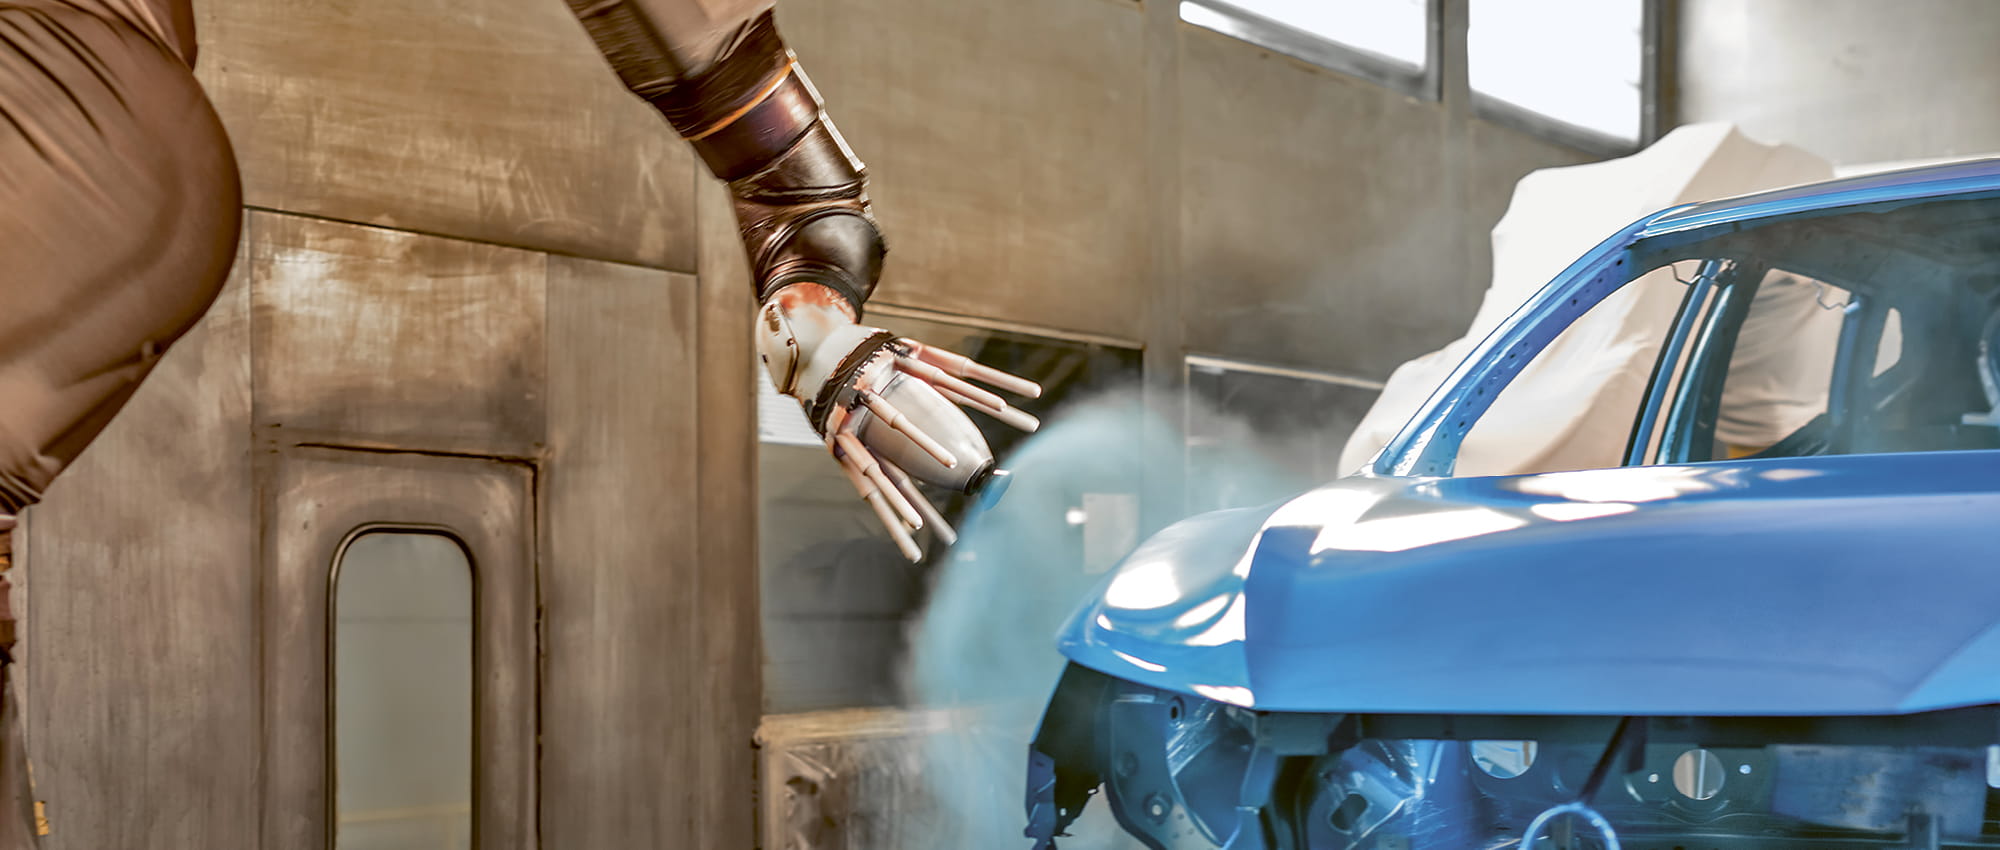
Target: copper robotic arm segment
656, 44
739, 97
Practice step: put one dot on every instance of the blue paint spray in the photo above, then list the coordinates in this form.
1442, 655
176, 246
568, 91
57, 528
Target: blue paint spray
984, 651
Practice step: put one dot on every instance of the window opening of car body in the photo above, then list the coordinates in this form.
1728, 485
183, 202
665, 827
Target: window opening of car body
1866, 336
1571, 406
1804, 375
1760, 368
401, 731
1761, 377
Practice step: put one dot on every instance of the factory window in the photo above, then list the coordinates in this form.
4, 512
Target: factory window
1570, 67
1257, 433
839, 601
402, 692
1387, 41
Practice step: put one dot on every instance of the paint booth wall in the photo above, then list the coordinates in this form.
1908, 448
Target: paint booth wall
1856, 81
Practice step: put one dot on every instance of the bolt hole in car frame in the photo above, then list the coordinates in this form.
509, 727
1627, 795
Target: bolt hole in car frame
1768, 625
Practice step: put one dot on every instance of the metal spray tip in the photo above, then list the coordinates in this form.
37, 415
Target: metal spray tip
991, 487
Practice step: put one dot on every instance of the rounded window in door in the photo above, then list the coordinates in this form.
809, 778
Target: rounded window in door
402, 692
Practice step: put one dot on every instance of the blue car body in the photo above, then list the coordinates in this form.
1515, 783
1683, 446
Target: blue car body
1311, 605
1311, 673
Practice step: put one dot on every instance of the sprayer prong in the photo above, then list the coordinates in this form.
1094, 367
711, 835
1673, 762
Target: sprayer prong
1012, 416
847, 465
898, 533
938, 526
946, 381
872, 494
895, 419
965, 367
858, 455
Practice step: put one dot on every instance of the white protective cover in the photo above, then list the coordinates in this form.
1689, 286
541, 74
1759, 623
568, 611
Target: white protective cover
1573, 407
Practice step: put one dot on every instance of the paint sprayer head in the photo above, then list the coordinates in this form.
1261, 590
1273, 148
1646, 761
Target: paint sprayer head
887, 406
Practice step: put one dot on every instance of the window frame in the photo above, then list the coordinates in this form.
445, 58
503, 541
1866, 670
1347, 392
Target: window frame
1657, 68
316, 499
1425, 83
1191, 363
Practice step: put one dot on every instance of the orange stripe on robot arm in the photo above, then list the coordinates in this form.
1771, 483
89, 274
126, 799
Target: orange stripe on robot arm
764, 95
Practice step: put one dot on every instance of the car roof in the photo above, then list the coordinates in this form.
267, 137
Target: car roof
1890, 187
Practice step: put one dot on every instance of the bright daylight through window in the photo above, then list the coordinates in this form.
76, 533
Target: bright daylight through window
1395, 30
1575, 61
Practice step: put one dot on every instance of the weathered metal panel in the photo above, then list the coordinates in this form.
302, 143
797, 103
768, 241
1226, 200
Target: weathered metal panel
141, 617
732, 688
1004, 144
624, 616
847, 780
385, 338
493, 120
318, 499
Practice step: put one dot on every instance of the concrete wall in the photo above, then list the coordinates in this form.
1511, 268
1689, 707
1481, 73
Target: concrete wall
474, 260
1856, 81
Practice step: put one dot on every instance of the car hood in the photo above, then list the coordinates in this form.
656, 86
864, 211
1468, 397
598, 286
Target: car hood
1820, 586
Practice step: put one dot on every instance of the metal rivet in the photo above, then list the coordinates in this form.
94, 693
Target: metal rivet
1128, 765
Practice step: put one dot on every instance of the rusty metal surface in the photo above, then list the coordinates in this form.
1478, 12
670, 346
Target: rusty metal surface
492, 120
141, 641
855, 779
1002, 143
624, 613
385, 338
318, 498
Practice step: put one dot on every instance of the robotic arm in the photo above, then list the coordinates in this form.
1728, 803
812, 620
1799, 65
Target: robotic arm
720, 74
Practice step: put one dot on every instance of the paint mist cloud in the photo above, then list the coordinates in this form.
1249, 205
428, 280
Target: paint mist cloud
984, 651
